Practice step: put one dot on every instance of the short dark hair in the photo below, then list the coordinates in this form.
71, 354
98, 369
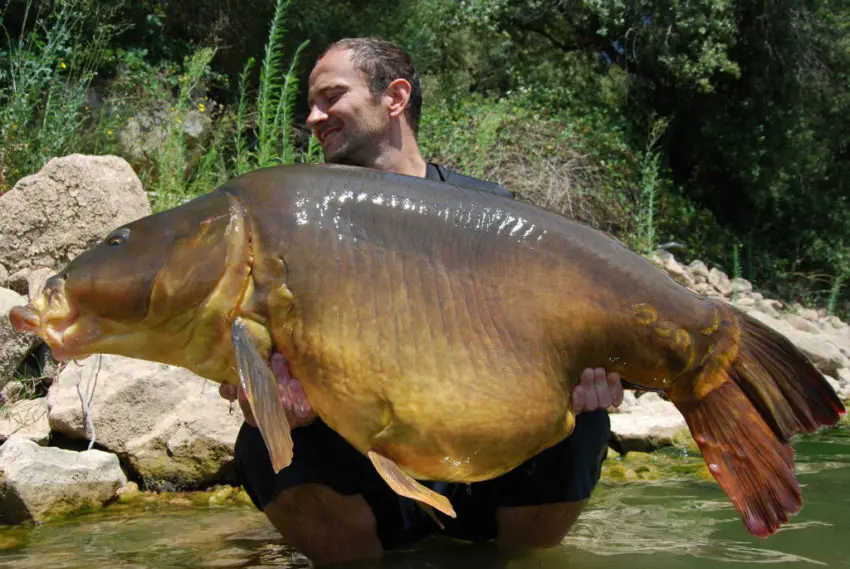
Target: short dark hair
382, 62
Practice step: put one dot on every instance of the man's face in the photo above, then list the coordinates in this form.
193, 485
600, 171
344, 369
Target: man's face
344, 116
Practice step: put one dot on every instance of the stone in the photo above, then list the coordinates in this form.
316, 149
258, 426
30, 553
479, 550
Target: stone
741, 286
825, 354
767, 307
14, 346
36, 277
42, 483
843, 380
698, 269
25, 418
171, 426
649, 424
18, 282
803, 324
720, 281
4, 274
52, 216
809, 314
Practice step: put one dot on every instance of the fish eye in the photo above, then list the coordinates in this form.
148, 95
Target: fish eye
118, 237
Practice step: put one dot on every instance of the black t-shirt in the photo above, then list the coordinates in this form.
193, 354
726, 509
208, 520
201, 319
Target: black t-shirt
439, 173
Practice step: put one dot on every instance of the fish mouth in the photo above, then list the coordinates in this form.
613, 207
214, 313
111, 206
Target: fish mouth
51, 317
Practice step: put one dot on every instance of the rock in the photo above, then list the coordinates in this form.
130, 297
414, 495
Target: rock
669, 263
742, 286
14, 346
824, 353
40, 483
698, 269
4, 274
14, 391
26, 418
703, 288
843, 380
720, 281
649, 424
171, 425
767, 307
19, 282
36, 277
52, 216
149, 131
803, 324
745, 302
809, 314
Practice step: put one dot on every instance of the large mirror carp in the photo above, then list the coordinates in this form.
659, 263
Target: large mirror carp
439, 330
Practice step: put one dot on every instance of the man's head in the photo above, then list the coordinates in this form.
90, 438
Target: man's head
361, 89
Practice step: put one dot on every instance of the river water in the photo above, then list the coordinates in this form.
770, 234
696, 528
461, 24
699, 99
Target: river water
678, 521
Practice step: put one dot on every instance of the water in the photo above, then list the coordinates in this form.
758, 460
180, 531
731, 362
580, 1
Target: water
681, 521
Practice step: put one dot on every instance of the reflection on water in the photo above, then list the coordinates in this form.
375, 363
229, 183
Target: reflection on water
684, 522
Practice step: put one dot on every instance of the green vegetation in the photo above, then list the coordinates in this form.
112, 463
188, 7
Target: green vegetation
717, 124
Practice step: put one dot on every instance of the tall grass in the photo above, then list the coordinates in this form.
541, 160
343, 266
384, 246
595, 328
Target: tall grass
258, 133
44, 76
275, 99
651, 180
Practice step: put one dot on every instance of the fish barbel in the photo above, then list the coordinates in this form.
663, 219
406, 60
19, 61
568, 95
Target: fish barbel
439, 330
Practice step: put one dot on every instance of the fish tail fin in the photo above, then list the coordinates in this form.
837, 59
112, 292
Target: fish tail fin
789, 392
754, 393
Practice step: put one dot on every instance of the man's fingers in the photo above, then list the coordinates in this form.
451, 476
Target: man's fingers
591, 400
603, 392
616, 386
578, 399
227, 391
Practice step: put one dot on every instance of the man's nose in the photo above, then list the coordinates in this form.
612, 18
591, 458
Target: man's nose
316, 116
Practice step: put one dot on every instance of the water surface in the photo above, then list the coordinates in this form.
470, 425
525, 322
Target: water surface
680, 521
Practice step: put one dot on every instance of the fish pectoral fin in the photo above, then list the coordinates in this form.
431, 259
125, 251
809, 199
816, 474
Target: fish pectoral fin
404, 485
261, 389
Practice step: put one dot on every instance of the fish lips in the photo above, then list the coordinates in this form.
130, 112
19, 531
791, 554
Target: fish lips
50, 317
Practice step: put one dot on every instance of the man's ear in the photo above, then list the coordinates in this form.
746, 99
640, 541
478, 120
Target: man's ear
399, 94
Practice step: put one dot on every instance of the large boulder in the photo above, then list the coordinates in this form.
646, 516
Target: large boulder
50, 217
40, 483
14, 346
170, 425
26, 418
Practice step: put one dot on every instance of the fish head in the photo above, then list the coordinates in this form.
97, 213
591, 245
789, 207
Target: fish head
162, 288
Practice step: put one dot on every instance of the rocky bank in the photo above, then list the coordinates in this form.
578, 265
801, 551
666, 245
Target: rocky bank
164, 428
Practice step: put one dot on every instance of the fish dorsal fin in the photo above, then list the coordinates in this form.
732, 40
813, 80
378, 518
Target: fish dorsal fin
261, 389
404, 485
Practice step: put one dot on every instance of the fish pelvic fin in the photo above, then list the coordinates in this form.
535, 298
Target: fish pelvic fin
404, 485
260, 388
751, 394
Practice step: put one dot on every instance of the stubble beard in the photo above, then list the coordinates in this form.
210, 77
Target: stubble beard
354, 151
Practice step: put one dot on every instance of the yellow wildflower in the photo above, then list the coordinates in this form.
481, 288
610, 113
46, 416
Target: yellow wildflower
201, 107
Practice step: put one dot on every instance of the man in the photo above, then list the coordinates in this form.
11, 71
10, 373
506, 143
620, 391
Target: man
330, 504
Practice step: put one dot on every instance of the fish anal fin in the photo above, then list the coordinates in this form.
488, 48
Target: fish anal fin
404, 485
261, 390
753, 467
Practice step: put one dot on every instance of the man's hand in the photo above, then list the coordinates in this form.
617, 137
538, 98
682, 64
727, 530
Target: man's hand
298, 409
597, 391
